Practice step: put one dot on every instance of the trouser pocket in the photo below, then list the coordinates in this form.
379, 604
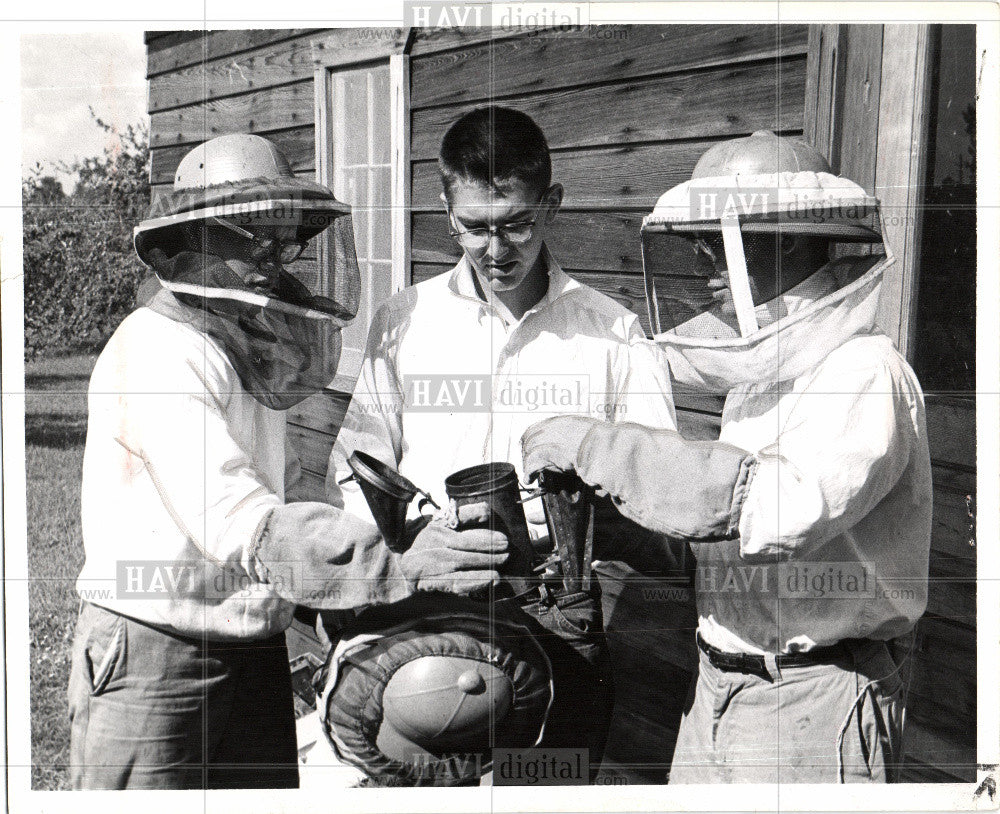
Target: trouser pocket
869, 750
99, 647
576, 620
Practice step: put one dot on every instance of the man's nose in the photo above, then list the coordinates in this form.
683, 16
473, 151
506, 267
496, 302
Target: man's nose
496, 246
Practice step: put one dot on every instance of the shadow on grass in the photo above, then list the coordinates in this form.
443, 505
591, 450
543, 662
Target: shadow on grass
55, 430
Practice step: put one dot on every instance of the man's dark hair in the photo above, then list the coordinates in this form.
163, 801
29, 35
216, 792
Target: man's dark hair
493, 146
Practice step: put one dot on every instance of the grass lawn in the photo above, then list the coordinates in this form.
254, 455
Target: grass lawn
55, 430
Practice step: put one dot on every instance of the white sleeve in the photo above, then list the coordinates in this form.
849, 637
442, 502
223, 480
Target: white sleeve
174, 425
843, 448
295, 485
374, 419
646, 396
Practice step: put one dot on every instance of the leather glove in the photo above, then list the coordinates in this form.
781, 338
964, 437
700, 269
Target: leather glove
316, 555
553, 443
444, 559
689, 490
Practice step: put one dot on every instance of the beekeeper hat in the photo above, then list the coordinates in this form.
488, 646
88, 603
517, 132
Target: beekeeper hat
761, 153
243, 177
422, 691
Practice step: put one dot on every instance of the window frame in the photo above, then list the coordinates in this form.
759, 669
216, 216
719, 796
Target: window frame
399, 111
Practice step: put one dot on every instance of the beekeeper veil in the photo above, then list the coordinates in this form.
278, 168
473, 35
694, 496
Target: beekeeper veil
260, 260
761, 264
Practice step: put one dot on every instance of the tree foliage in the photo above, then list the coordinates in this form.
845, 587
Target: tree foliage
80, 270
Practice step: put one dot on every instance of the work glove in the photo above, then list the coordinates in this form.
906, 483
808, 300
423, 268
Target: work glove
441, 558
688, 490
316, 555
554, 443
320, 556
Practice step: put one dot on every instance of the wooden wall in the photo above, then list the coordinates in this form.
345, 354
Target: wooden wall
867, 109
626, 119
627, 115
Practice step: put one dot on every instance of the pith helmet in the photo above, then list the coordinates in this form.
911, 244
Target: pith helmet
761, 153
240, 176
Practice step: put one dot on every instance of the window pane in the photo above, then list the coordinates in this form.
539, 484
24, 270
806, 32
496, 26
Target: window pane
381, 127
361, 177
381, 214
354, 113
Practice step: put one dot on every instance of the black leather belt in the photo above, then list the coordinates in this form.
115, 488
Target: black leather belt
754, 664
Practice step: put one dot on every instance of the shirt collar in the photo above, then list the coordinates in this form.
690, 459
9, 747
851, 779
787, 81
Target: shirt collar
461, 282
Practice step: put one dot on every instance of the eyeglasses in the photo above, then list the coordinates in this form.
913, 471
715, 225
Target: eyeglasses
480, 236
267, 248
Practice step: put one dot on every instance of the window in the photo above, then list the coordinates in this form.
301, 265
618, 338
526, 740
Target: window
361, 148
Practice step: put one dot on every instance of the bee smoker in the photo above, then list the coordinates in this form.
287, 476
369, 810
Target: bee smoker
496, 484
388, 495
569, 515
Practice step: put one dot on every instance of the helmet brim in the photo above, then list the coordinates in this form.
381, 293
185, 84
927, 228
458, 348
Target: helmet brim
310, 216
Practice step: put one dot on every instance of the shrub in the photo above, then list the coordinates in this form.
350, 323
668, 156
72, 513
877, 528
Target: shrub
80, 270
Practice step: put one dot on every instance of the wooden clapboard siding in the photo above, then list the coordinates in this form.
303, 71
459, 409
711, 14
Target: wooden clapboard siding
941, 713
313, 448
951, 429
323, 412
254, 70
941, 669
260, 112
275, 63
952, 534
296, 144
690, 105
438, 40
549, 60
624, 177
312, 487
186, 48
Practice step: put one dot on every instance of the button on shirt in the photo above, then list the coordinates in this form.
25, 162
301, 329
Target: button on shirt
446, 383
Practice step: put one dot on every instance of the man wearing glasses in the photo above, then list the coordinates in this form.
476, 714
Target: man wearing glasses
458, 366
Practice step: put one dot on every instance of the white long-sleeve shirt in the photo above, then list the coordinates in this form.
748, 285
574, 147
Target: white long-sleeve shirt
446, 383
181, 466
836, 526
835, 530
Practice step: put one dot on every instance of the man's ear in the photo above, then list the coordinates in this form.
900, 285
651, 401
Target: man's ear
553, 200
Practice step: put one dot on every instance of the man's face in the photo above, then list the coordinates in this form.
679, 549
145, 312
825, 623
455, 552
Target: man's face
245, 253
773, 266
502, 261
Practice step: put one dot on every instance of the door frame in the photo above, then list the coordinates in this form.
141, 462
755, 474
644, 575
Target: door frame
885, 147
